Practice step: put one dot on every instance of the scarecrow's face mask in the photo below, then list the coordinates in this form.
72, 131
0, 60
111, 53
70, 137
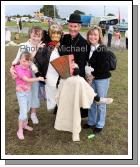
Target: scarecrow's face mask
55, 32
55, 36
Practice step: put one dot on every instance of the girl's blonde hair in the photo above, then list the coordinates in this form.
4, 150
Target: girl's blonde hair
91, 30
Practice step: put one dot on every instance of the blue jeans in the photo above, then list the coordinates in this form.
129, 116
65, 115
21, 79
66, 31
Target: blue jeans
24, 101
97, 113
35, 102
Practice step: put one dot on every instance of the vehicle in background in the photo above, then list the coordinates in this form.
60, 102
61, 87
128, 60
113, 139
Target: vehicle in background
122, 26
25, 19
13, 19
85, 19
33, 20
60, 21
105, 20
46, 18
109, 20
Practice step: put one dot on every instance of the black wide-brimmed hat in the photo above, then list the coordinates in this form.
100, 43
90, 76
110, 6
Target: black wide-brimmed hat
74, 18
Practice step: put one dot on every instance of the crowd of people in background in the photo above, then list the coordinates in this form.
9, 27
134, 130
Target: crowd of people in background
109, 30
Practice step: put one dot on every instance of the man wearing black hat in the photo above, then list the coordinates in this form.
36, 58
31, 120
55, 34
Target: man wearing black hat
74, 43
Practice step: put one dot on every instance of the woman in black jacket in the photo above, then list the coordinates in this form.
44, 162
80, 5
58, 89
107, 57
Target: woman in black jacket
98, 59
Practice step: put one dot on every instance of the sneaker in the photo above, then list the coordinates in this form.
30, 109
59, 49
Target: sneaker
34, 119
97, 130
86, 126
20, 135
104, 100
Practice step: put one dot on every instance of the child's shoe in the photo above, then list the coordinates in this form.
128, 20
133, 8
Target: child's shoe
104, 100
28, 128
20, 135
34, 118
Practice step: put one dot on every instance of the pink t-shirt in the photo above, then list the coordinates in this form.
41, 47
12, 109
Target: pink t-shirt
117, 35
22, 85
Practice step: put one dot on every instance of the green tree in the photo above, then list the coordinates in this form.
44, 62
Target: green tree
110, 14
18, 16
25, 15
48, 10
79, 12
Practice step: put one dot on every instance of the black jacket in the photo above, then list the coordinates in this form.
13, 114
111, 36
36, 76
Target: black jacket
42, 59
78, 47
100, 62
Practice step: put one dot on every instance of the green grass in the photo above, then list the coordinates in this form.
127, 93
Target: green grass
45, 140
45, 26
24, 24
42, 25
23, 37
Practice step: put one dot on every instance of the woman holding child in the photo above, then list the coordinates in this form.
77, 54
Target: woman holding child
34, 42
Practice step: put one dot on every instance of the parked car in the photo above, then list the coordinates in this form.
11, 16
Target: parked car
105, 20
34, 20
25, 19
122, 27
60, 21
13, 19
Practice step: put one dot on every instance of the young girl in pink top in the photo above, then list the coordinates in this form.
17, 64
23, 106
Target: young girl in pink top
117, 38
34, 42
24, 81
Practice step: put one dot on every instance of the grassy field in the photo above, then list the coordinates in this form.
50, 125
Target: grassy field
22, 37
45, 140
45, 26
24, 24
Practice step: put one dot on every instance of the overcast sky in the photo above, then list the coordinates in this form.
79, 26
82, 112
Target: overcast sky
65, 11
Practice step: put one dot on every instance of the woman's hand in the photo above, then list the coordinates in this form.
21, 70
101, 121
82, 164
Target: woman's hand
40, 45
89, 78
13, 72
58, 44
